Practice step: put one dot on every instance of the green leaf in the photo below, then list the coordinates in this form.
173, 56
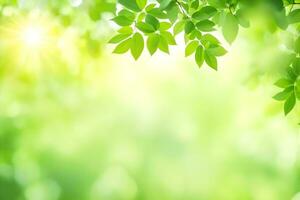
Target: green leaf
242, 19
146, 28
216, 51
125, 30
169, 37
150, 7
156, 12
283, 83
141, 3
191, 48
297, 45
127, 14
217, 3
141, 17
118, 38
210, 60
195, 4
195, 34
123, 47
289, 104
208, 38
205, 25
179, 27
199, 56
291, 74
230, 28
296, 65
205, 13
163, 45
165, 26
172, 12
130, 4
294, 16
122, 21
137, 45
281, 96
189, 27
164, 4
152, 43
152, 21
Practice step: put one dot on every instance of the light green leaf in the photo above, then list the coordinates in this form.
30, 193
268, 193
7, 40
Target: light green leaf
125, 30
123, 47
205, 13
169, 37
126, 13
281, 96
165, 26
152, 43
211, 60
289, 104
141, 3
216, 51
163, 45
179, 27
156, 12
199, 56
191, 48
230, 28
205, 25
137, 45
283, 83
208, 38
118, 38
122, 21
146, 28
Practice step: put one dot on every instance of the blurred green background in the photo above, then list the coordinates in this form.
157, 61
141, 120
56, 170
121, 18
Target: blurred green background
78, 123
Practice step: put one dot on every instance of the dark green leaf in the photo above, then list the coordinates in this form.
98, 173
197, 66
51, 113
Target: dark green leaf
152, 21
294, 16
189, 27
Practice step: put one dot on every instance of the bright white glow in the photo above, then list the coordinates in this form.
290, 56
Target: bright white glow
76, 3
33, 36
